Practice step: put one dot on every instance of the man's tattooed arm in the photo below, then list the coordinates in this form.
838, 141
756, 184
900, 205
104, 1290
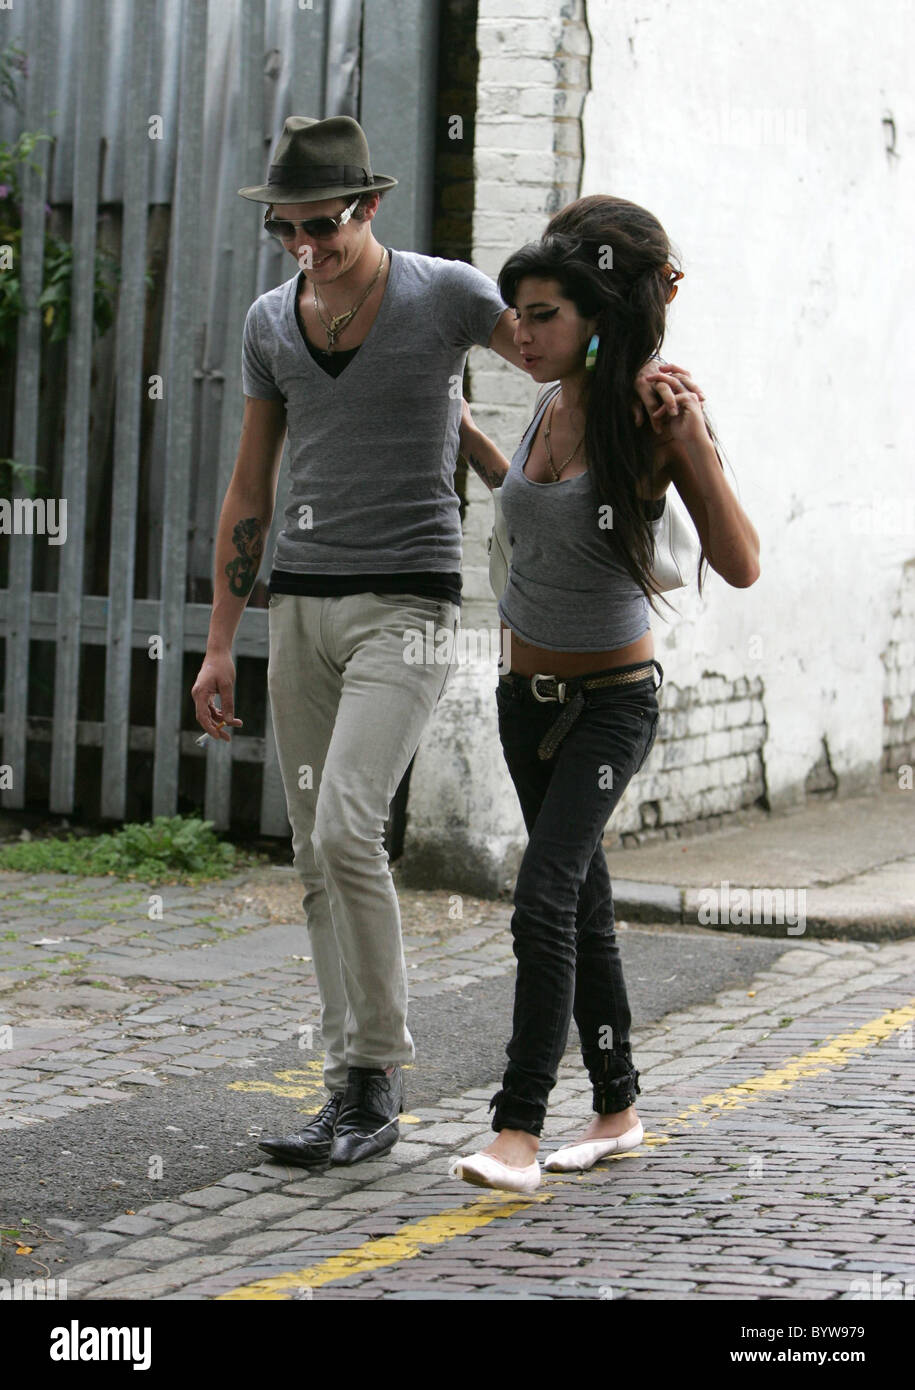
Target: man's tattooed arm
484, 458
248, 539
491, 475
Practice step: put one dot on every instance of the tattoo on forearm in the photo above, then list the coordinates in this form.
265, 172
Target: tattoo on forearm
247, 537
490, 476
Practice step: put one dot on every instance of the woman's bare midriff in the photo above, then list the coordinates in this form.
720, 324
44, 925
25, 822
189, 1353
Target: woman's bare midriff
528, 660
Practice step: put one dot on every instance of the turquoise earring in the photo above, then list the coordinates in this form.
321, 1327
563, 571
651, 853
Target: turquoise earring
591, 357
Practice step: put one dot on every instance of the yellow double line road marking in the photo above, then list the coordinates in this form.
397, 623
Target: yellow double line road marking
836, 1053
418, 1236
411, 1240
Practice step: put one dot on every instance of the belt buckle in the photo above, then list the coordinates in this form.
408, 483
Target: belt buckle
545, 699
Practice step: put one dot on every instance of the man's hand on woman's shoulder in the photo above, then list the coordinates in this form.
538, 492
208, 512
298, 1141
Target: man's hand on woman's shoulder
654, 393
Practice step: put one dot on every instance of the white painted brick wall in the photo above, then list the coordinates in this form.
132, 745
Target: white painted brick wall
899, 684
495, 10
518, 37
532, 85
829, 624
811, 631
706, 762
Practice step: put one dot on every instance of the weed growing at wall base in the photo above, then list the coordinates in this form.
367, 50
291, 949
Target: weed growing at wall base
168, 849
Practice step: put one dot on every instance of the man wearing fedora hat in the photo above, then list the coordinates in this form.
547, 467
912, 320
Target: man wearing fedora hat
360, 357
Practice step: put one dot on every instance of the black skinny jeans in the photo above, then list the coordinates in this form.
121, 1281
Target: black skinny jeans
563, 924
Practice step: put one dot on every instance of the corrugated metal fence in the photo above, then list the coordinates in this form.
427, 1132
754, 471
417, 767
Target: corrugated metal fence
143, 478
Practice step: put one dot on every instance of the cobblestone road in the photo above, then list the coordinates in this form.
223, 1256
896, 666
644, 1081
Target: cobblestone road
778, 1117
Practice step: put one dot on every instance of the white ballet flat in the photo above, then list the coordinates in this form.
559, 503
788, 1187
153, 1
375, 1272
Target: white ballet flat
575, 1156
485, 1171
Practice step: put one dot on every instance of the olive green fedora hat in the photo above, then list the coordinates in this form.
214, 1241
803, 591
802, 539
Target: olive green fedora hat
318, 159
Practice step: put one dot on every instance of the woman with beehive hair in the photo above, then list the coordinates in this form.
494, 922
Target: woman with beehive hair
578, 711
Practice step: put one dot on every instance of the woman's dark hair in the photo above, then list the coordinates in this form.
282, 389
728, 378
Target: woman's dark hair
613, 260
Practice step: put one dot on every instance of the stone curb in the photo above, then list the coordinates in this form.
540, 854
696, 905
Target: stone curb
833, 916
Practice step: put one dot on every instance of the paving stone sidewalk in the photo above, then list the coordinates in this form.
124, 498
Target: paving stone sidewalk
849, 860
795, 1186
97, 1001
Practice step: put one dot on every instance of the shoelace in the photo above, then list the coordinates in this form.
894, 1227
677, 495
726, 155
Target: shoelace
375, 1094
331, 1104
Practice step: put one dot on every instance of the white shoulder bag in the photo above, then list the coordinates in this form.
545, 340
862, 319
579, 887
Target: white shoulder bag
676, 545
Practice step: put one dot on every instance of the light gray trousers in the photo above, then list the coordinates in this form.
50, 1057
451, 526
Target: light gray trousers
349, 702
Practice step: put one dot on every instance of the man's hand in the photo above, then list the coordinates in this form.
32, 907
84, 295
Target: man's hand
216, 677
653, 392
681, 416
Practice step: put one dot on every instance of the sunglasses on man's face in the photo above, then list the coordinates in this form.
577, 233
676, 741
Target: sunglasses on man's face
320, 228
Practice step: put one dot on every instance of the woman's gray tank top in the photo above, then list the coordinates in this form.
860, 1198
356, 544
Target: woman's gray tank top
566, 589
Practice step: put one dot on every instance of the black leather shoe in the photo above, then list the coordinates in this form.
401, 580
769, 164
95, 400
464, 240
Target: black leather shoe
312, 1144
367, 1123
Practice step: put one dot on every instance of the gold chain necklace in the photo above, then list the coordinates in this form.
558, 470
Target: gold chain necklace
549, 453
339, 321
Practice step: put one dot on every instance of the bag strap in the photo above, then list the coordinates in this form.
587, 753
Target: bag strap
541, 394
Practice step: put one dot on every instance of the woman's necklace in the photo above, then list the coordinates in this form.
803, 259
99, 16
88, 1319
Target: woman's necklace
557, 473
339, 321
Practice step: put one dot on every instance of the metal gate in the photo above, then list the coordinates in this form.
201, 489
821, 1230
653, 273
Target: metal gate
162, 110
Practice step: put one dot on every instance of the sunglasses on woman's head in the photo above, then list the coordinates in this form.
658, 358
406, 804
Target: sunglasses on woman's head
318, 227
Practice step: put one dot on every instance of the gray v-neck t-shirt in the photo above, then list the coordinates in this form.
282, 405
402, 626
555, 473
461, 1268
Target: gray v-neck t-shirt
372, 452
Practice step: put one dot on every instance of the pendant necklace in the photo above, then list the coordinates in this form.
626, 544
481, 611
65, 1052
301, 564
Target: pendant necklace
557, 473
339, 321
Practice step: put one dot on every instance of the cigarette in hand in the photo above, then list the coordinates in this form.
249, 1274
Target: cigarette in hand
203, 737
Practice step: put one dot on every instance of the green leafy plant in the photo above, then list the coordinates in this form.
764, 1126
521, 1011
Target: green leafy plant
57, 273
23, 473
167, 849
13, 62
58, 278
